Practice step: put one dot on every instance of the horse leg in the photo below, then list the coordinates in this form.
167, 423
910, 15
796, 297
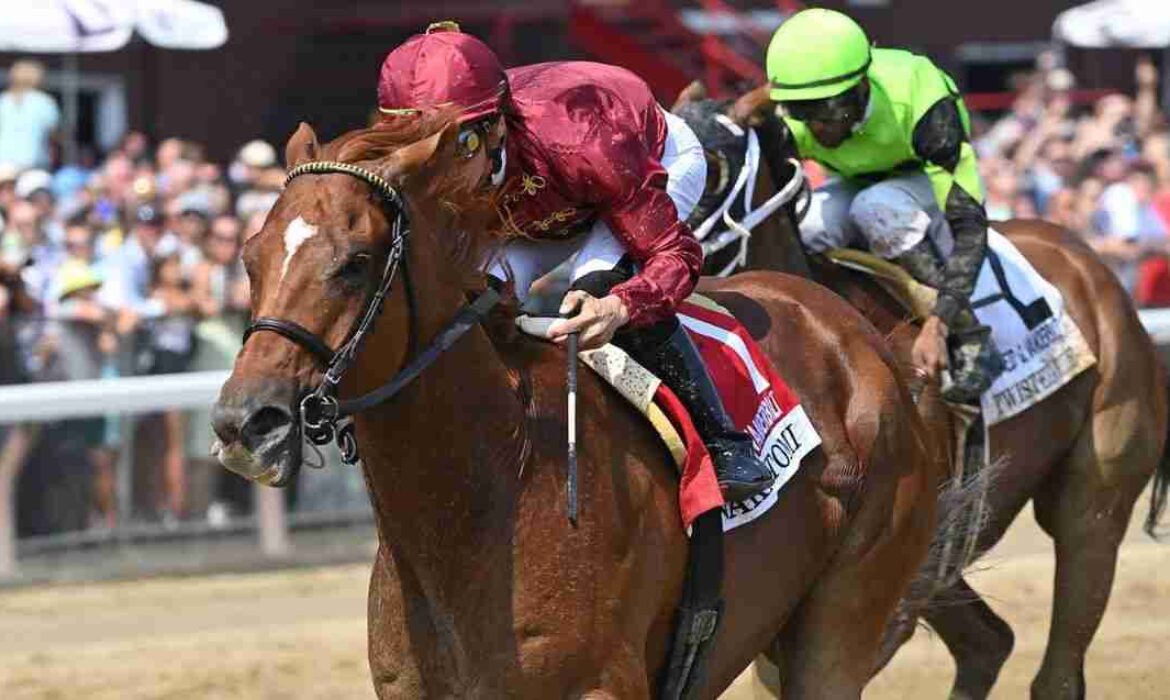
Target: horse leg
838, 629
978, 639
1086, 509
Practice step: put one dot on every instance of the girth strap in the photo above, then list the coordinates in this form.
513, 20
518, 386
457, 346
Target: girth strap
699, 611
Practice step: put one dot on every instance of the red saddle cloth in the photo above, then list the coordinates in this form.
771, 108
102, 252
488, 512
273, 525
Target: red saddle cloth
758, 401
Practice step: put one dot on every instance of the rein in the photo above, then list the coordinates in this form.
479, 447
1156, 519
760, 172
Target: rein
324, 418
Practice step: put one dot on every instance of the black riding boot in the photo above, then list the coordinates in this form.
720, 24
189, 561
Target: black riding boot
974, 362
666, 350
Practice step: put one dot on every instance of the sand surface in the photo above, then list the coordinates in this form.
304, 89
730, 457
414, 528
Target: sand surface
301, 633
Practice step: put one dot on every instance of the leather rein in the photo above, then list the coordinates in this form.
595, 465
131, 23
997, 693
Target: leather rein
324, 417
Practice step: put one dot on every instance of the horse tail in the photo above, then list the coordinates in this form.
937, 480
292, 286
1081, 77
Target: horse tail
1161, 485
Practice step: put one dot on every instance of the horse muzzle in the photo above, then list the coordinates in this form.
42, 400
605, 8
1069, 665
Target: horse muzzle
258, 440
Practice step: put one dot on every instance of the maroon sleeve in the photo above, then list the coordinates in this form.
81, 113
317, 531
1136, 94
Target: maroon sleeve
627, 184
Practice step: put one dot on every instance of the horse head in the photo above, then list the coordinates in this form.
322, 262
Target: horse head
326, 259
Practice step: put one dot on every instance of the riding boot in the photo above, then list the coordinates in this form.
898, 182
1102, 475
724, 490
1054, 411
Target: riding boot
975, 363
666, 350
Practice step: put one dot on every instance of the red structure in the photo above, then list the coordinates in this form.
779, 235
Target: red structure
288, 60
649, 38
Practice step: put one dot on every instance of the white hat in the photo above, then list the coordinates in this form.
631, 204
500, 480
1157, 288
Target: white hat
32, 181
257, 154
1060, 79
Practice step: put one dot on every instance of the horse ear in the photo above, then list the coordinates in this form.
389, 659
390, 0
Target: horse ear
302, 147
749, 109
691, 93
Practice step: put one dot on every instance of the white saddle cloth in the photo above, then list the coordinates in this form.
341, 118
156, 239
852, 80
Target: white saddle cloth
1041, 346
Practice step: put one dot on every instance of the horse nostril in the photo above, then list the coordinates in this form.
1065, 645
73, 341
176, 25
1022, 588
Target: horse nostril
262, 422
226, 421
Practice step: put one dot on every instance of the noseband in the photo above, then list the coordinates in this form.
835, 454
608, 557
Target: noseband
325, 418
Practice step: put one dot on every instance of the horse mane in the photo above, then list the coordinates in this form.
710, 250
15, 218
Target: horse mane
469, 236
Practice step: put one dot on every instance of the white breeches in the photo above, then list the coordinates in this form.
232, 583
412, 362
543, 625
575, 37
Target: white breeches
889, 217
598, 249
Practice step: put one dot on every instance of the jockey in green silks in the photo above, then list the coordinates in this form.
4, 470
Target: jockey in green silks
893, 129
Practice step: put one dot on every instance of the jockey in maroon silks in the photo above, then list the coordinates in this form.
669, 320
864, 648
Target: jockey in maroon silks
590, 169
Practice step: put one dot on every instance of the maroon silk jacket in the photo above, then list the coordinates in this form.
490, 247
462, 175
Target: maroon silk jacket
584, 143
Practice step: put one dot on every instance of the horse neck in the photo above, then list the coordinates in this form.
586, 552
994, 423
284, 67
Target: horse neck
441, 459
777, 245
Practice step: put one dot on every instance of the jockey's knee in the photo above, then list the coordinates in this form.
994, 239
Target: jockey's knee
826, 224
599, 282
891, 221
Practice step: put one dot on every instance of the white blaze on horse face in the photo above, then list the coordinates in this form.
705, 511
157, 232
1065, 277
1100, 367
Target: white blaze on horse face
295, 235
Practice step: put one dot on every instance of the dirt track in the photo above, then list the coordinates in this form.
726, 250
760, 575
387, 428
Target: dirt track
301, 633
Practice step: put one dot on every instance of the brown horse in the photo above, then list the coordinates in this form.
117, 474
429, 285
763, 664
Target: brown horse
1103, 436
481, 588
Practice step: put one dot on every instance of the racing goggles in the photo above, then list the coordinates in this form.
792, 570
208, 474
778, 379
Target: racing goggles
845, 108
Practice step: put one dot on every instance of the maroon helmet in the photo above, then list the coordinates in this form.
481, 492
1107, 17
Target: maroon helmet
442, 67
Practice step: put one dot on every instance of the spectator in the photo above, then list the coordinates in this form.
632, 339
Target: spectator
127, 288
171, 350
25, 246
36, 186
1061, 209
8, 175
28, 118
79, 250
220, 284
77, 345
256, 173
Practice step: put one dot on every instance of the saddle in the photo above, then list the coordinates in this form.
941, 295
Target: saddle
755, 395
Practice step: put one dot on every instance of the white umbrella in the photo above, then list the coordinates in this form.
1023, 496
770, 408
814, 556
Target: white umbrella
1139, 24
1133, 24
71, 27
86, 26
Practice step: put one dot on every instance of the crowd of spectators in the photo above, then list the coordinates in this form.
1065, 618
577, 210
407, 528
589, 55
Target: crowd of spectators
1101, 168
127, 265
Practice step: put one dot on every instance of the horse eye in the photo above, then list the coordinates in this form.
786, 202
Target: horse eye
354, 267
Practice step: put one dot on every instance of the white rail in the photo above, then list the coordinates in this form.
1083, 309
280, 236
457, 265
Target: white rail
50, 401
30, 403
47, 401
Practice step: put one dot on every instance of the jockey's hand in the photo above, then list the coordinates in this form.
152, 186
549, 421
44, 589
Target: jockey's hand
595, 319
929, 353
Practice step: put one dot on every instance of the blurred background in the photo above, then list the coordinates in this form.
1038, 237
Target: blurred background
141, 143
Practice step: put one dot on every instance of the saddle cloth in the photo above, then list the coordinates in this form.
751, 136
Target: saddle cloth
1041, 346
757, 399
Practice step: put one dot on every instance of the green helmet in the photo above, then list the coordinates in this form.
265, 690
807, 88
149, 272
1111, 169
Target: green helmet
815, 54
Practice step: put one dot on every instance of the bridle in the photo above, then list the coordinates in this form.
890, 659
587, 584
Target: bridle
323, 416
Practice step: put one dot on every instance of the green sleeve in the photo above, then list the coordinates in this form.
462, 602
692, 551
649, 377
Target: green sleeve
940, 141
964, 174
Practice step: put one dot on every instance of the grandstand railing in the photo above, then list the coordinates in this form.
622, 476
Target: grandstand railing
54, 401
48, 401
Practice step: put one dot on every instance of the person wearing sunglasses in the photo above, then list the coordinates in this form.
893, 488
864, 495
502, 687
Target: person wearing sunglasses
893, 129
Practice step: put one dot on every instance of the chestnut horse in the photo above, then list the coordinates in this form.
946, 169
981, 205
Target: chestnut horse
1103, 435
481, 588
